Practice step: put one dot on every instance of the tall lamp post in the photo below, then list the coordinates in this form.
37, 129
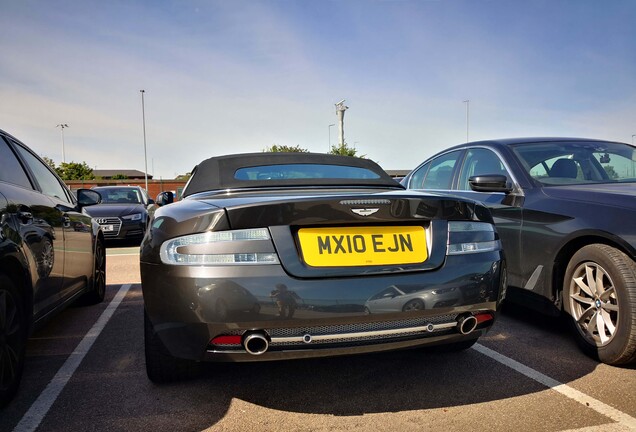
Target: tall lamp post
62, 126
467, 102
330, 126
340, 111
143, 120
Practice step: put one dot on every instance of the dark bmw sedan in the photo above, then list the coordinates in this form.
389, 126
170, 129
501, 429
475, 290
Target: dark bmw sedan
565, 210
51, 253
274, 255
123, 212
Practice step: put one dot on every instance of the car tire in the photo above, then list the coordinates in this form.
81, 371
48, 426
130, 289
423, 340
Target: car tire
611, 307
413, 305
97, 289
161, 366
13, 336
46, 258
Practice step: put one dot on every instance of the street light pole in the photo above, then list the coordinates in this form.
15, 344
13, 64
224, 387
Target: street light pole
467, 102
62, 126
330, 126
340, 111
143, 120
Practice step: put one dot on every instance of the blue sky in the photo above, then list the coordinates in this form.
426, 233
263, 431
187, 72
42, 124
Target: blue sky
238, 76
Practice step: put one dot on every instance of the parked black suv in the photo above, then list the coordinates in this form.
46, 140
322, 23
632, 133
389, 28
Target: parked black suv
51, 253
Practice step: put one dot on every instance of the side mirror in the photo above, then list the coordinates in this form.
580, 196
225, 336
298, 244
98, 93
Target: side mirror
164, 198
150, 201
88, 197
490, 183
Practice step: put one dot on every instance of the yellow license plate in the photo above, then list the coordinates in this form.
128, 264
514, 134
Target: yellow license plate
363, 246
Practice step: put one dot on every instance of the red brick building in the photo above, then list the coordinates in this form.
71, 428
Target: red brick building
154, 186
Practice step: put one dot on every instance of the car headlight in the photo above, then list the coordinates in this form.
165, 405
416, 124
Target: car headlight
471, 237
247, 246
132, 217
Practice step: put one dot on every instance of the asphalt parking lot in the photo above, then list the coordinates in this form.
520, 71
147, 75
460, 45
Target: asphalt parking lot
85, 371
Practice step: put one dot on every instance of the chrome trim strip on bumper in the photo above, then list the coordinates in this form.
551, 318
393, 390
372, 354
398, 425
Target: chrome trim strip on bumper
338, 337
308, 338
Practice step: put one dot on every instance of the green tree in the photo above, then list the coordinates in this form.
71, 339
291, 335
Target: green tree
49, 161
345, 150
75, 171
185, 176
285, 149
611, 172
119, 177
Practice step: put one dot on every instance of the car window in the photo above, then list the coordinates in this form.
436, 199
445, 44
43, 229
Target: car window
578, 162
144, 196
303, 171
48, 182
11, 170
384, 293
440, 173
417, 178
480, 161
617, 166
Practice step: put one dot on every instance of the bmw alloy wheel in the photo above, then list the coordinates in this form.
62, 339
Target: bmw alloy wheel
594, 303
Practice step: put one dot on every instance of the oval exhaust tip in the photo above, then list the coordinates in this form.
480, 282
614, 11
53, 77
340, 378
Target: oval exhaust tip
467, 324
255, 343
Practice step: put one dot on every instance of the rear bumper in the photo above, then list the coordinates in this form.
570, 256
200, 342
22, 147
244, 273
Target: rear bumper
191, 306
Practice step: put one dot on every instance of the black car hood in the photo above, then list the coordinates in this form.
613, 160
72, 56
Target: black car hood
611, 194
114, 210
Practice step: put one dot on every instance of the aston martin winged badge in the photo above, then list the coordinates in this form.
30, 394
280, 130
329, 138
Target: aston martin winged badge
365, 211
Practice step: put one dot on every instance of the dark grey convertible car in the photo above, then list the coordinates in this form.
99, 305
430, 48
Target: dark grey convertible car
273, 256
565, 209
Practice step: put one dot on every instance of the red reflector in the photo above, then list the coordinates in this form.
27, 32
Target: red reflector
226, 340
482, 317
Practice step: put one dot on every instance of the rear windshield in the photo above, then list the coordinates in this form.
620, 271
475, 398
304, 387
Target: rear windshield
286, 170
303, 171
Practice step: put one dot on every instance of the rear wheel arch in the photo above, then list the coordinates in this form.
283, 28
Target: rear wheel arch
601, 302
565, 254
19, 275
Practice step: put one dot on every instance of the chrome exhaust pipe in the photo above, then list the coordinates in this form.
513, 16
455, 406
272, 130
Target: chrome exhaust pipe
255, 343
466, 324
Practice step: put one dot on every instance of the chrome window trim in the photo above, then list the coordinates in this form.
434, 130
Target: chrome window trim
517, 188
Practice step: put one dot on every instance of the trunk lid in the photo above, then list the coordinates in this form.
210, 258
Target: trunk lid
345, 234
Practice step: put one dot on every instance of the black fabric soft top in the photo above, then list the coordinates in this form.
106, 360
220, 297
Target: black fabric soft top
219, 172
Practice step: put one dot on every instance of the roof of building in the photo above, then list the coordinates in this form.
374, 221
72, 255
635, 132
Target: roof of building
131, 174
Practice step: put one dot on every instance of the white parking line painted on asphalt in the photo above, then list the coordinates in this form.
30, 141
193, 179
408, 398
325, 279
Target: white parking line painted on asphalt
626, 421
34, 416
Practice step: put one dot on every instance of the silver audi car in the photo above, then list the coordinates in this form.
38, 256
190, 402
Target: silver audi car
275, 256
